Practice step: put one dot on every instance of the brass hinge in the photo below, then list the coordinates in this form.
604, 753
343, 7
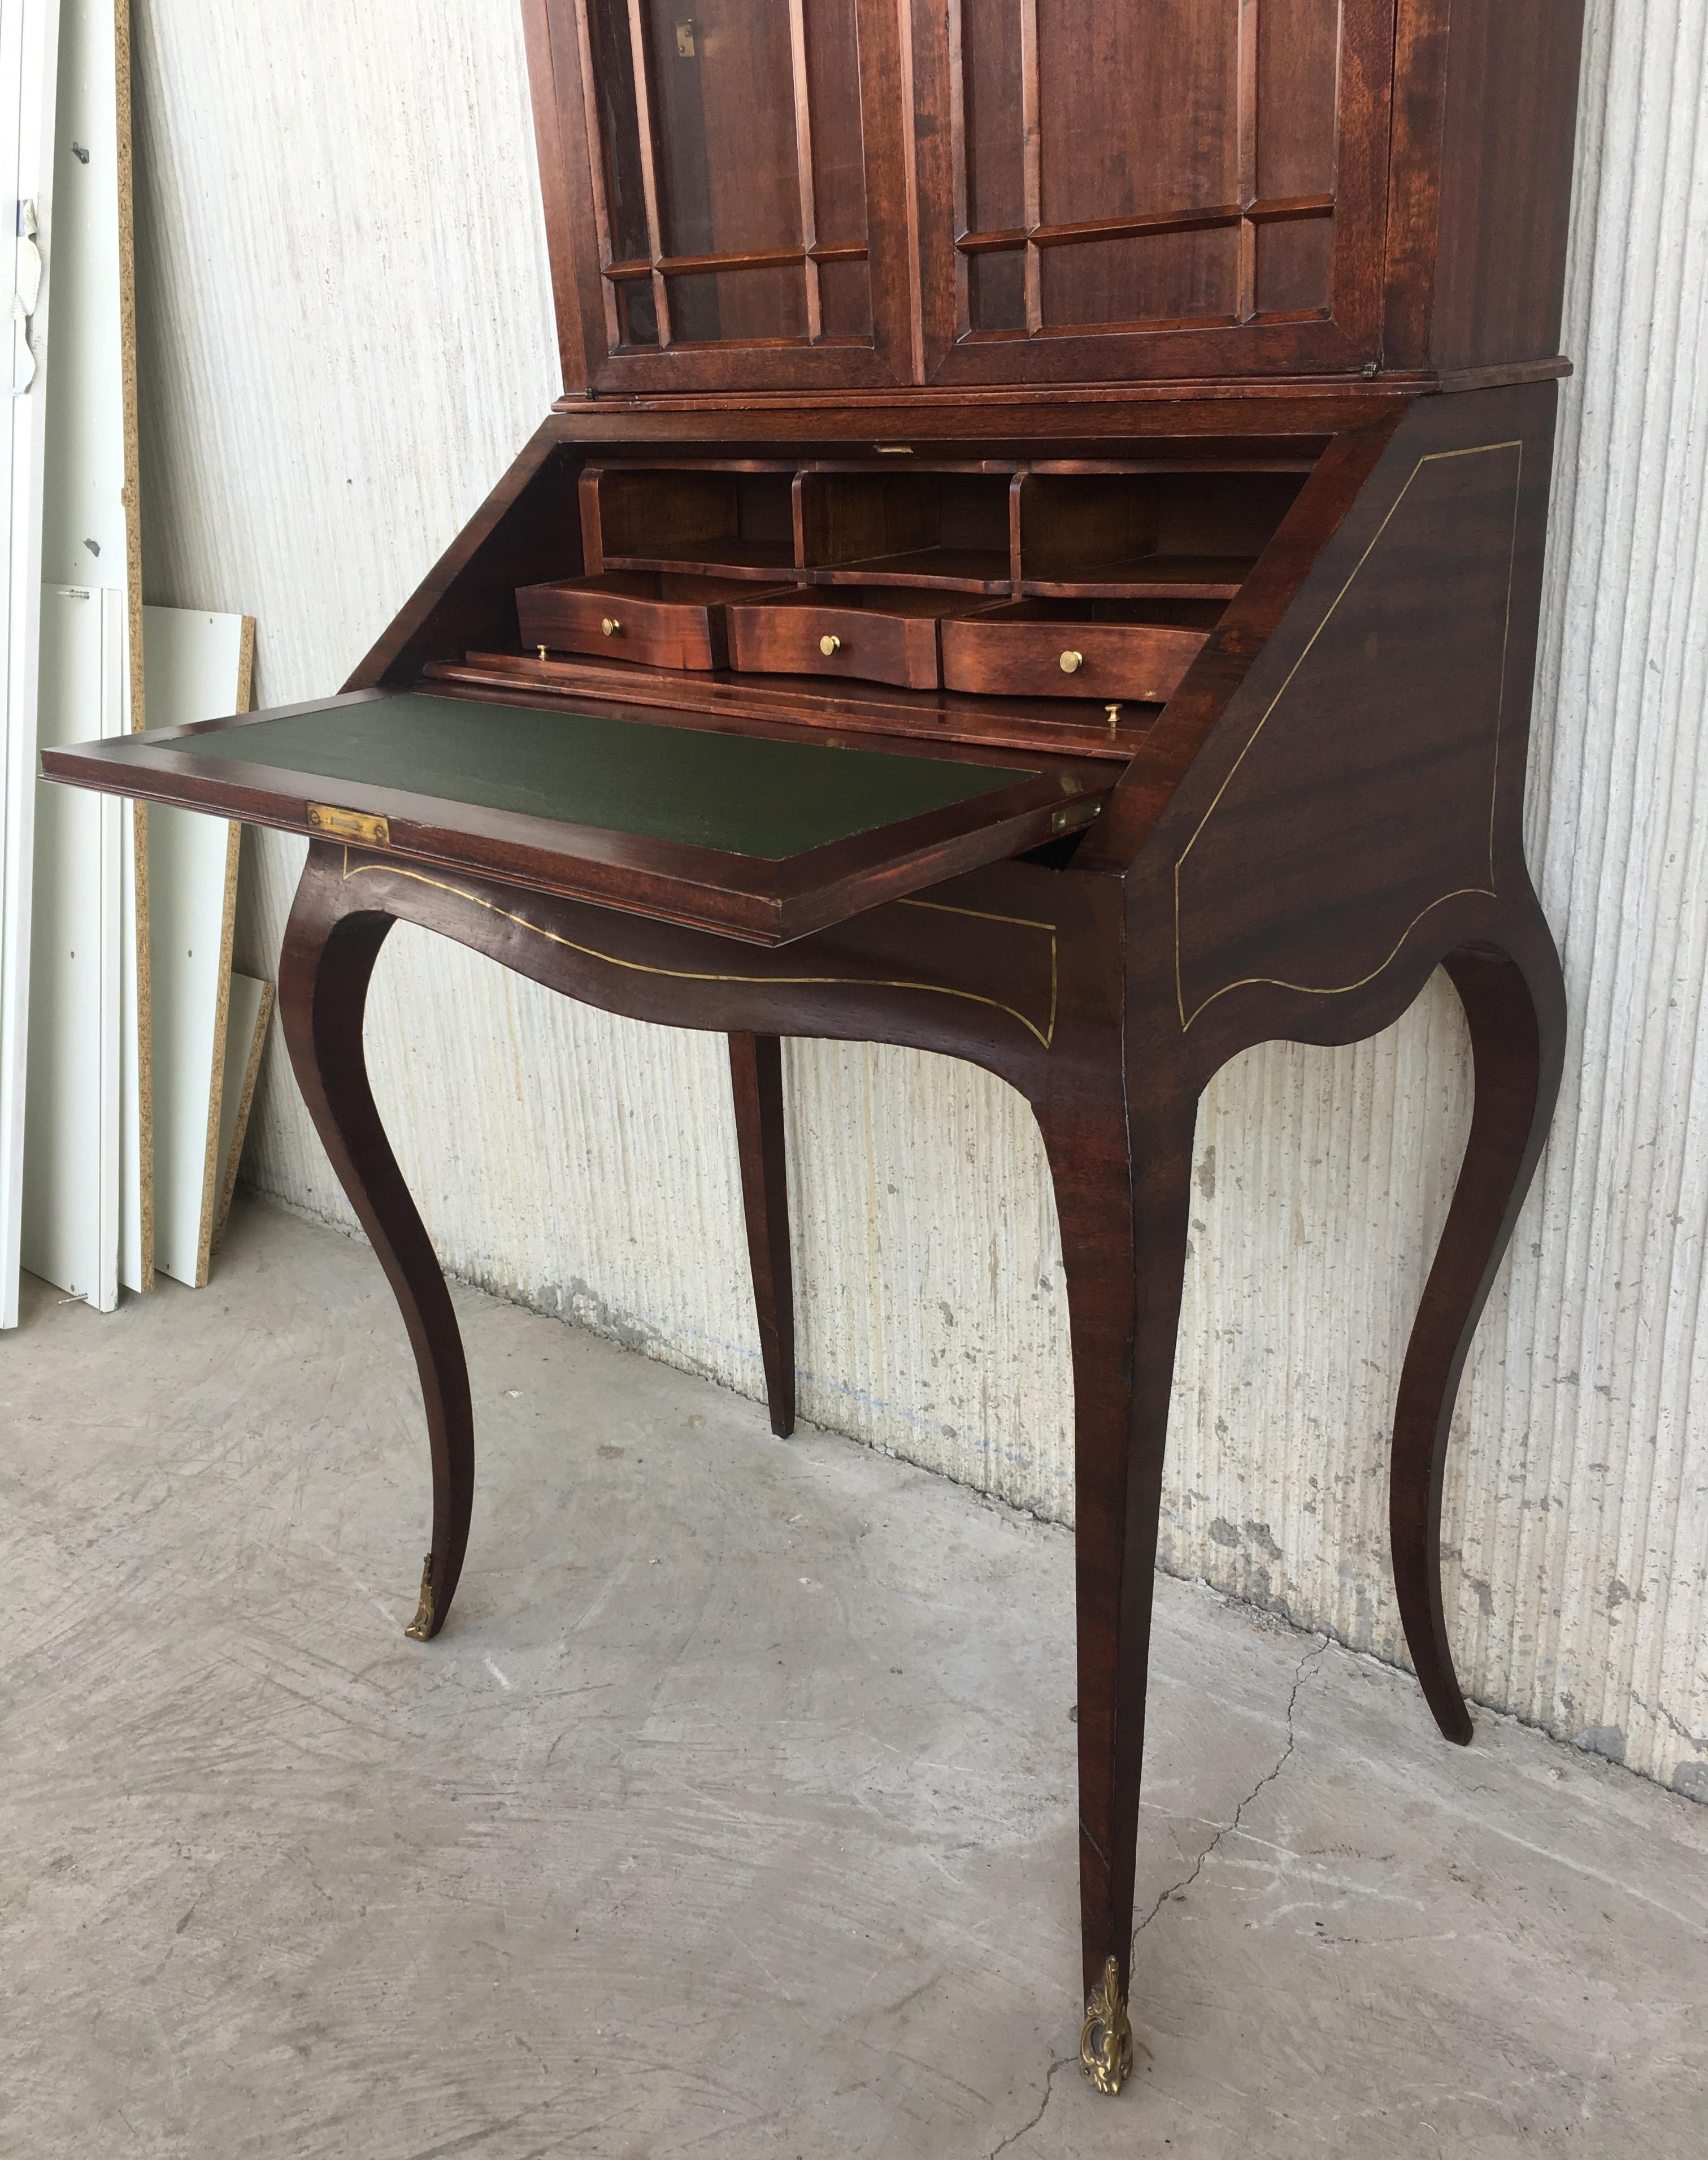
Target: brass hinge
348, 824
1072, 815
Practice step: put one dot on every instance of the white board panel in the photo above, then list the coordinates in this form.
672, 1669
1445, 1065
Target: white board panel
89, 535
198, 668
28, 73
85, 536
71, 1112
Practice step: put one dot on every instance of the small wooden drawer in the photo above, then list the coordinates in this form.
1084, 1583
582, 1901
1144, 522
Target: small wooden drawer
1106, 649
658, 618
872, 634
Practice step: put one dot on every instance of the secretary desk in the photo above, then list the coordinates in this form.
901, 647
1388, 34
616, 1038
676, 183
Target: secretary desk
1038, 559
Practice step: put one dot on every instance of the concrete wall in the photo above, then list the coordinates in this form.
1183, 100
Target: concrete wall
346, 332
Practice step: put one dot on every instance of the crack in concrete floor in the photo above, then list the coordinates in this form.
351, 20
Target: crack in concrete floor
1014, 2136
1311, 1658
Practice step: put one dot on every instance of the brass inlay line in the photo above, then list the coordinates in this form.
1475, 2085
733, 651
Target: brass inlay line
1042, 1035
1018, 923
978, 914
1312, 990
1485, 892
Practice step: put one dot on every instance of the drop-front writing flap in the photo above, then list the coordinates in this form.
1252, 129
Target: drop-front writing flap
763, 835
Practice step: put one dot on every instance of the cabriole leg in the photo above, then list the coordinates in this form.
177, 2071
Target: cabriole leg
1123, 1220
1514, 1001
756, 1070
324, 970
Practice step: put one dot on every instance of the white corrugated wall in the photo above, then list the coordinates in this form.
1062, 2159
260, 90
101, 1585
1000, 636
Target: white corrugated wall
346, 334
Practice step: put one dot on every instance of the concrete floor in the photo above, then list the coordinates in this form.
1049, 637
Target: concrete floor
733, 1814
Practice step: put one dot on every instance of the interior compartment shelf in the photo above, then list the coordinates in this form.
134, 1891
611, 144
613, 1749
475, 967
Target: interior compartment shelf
944, 570
736, 522
735, 558
1152, 577
1164, 535
949, 531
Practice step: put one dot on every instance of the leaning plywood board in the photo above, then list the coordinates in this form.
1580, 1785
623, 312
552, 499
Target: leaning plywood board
199, 668
89, 546
72, 1109
29, 49
252, 1010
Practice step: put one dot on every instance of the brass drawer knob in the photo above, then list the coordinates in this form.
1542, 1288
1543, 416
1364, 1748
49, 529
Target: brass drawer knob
611, 625
829, 646
1072, 663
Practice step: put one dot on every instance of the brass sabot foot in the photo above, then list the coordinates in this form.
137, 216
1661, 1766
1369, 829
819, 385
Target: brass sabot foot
1106, 2038
421, 1627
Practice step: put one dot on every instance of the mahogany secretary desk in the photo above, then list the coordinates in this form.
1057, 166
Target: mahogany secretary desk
1040, 561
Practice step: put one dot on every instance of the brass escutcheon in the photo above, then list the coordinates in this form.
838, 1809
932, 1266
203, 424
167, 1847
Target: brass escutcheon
348, 824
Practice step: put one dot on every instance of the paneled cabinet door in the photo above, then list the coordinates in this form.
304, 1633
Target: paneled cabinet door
1113, 189
729, 209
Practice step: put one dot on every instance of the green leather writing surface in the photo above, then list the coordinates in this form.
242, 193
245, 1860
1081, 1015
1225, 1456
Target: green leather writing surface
743, 795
